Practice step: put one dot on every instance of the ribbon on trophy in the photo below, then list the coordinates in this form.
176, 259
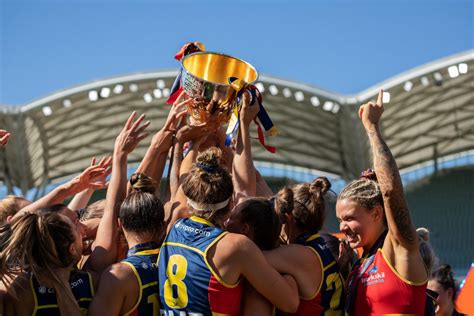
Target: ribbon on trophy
187, 49
265, 126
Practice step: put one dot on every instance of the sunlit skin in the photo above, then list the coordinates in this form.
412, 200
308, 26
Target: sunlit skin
235, 225
76, 247
360, 225
444, 301
79, 227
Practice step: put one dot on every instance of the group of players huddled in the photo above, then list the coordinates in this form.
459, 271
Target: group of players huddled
219, 242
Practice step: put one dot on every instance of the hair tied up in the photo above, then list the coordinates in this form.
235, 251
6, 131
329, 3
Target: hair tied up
368, 174
142, 183
320, 184
209, 168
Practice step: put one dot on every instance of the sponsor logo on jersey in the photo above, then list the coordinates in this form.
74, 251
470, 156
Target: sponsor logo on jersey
190, 229
373, 277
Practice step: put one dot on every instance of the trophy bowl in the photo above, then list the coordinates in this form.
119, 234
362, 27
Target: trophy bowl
205, 79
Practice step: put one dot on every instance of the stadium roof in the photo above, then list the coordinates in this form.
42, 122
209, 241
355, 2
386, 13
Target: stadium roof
429, 113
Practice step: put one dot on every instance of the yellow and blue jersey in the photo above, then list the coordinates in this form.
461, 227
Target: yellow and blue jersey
142, 259
188, 284
330, 297
45, 299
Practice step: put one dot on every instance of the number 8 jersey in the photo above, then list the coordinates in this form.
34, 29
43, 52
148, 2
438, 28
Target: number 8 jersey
188, 284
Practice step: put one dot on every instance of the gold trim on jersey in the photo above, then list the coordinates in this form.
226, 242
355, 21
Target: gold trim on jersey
147, 252
218, 278
201, 220
310, 238
34, 295
398, 275
140, 286
178, 244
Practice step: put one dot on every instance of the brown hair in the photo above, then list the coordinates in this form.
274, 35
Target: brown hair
141, 211
94, 210
10, 205
262, 218
364, 191
40, 243
426, 250
305, 202
444, 276
208, 182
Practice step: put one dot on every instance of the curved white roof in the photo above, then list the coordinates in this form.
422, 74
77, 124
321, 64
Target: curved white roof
430, 114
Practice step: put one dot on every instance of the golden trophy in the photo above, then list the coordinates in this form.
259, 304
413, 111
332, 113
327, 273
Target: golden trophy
213, 81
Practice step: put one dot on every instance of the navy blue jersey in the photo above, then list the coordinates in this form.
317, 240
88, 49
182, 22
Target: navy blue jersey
45, 298
143, 260
329, 299
188, 284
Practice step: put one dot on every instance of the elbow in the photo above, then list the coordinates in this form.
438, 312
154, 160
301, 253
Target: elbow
290, 304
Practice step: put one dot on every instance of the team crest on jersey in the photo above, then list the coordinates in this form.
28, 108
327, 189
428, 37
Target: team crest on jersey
144, 265
42, 290
373, 277
373, 270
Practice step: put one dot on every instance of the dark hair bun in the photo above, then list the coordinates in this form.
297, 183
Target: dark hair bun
320, 184
142, 183
369, 174
284, 201
209, 160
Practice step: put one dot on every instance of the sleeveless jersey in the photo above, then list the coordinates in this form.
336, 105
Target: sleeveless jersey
45, 299
381, 291
188, 284
329, 298
142, 259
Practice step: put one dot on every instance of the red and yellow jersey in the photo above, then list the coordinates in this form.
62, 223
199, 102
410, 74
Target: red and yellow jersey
380, 290
330, 296
188, 285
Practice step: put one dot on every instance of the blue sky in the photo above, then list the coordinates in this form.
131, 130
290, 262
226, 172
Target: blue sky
343, 46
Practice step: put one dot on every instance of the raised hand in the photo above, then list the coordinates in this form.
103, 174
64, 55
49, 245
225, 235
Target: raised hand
177, 112
194, 132
87, 180
248, 112
106, 163
4, 137
131, 134
163, 140
370, 112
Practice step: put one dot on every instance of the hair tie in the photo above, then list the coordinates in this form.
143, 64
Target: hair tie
368, 174
206, 167
272, 203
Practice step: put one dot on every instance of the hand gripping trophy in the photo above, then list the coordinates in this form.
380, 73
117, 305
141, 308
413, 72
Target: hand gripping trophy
215, 83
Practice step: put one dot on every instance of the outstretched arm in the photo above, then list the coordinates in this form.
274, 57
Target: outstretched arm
243, 170
81, 199
105, 247
178, 201
80, 183
154, 161
401, 228
280, 291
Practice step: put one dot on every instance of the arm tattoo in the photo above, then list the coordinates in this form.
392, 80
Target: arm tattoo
396, 208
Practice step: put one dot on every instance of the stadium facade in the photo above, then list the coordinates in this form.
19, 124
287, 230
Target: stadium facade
428, 124
429, 115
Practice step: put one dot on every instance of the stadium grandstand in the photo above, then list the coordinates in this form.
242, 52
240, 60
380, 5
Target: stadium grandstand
428, 124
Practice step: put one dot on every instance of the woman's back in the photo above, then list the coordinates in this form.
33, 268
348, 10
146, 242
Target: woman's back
188, 278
